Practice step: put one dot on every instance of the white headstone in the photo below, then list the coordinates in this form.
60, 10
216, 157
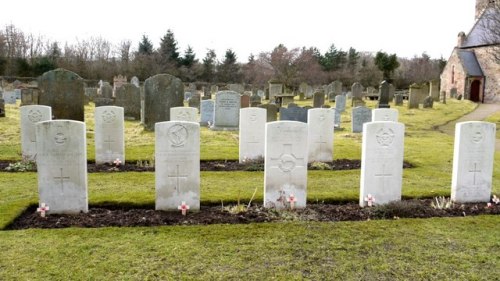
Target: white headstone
473, 161
135, 81
385, 114
285, 171
177, 165
30, 116
109, 134
320, 134
180, 113
62, 165
382, 162
252, 133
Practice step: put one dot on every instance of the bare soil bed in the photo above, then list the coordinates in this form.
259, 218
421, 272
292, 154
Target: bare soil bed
106, 216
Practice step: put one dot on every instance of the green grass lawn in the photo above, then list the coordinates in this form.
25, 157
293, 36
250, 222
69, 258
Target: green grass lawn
430, 249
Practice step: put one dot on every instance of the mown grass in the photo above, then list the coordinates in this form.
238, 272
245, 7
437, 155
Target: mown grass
495, 118
432, 249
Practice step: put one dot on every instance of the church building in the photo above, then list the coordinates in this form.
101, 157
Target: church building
473, 69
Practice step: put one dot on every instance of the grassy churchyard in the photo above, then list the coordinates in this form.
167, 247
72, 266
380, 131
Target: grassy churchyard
461, 248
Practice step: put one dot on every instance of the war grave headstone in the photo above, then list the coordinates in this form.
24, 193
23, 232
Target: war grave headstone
226, 111
385, 114
335, 90
340, 101
359, 116
434, 90
9, 97
252, 133
181, 113
177, 165
428, 102
244, 101
161, 92
381, 162
109, 134
413, 97
62, 90
285, 171
383, 96
272, 111
293, 114
128, 96
318, 99
207, 112
30, 116
473, 157
320, 134
357, 95
62, 166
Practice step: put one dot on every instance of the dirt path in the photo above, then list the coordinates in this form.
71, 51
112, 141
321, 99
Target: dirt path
480, 113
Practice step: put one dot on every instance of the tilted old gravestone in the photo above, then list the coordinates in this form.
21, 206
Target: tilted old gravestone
383, 96
381, 162
30, 116
161, 92
62, 90
181, 113
128, 96
177, 165
272, 111
385, 114
285, 171
62, 166
473, 156
206, 112
359, 116
293, 114
428, 102
109, 134
318, 99
252, 133
320, 134
340, 101
227, 111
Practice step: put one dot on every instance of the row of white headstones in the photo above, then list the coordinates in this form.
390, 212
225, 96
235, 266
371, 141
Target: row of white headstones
287, 147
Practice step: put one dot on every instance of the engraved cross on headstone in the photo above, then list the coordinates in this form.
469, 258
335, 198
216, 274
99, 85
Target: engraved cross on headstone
178, 178
321, 142
62, 178
474, 171
383, 175
109, 141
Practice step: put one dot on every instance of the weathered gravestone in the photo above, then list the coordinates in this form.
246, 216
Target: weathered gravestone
392, 91
62, 166
434, 90
62, 90
359, 116
30, 116
318, 99
255, 100
177, 165
357, 94
238, 88
398, 99
340, 101
285, 171
413, 96
105, 91
161, 92
17, 92
99, 101
272, 111
252, 133
381, 162
473, 161
194, 101
334, 90
90, 93
292, 104
428, 102
293, 114
244, 101
207, 112
383, 96
453, 92
2, 108
29, 96
135, 81
206, 93
385, 114
109, 134
275, 89
424, 93
181, 113
9, 97
320, 134
227, 111
337, 119
128, 96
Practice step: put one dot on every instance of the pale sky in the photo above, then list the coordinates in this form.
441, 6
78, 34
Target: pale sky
404, 27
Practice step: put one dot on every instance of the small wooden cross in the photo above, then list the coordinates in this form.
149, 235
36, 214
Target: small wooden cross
183, 207
370, 200
291, 199
43, 209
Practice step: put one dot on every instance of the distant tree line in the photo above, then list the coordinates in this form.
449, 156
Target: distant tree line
26, 55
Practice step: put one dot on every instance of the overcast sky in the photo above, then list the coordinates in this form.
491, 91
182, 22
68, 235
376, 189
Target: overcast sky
404, 27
